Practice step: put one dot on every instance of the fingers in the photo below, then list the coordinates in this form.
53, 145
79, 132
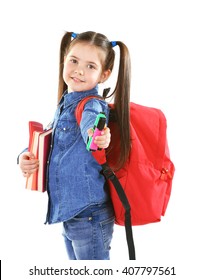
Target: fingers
25, 174
28, 164
27, 170
103, 141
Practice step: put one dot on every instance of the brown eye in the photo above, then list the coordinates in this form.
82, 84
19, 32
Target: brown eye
73, 60
90, 66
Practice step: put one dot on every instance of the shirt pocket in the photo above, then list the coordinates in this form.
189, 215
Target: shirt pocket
66, 133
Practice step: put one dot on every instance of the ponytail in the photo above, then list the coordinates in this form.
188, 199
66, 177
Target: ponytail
121, 104
65, 42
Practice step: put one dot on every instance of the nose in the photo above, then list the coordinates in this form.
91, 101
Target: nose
79, 70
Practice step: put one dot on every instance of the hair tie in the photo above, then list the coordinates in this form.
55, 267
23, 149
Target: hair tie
113, 43
74, 35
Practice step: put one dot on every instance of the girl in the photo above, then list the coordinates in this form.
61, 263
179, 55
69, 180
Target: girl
78, 193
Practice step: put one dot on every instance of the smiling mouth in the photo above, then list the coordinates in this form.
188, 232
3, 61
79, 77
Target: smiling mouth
77, 80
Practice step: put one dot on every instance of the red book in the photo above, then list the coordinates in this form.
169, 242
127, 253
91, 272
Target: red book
31, 182
33, 126
43, 153
40, 147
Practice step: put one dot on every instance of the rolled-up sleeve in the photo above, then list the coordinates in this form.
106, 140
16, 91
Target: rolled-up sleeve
25, 150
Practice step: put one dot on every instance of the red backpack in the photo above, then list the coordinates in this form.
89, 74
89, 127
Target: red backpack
141, 189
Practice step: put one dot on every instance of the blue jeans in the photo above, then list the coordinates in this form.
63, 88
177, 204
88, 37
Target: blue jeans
88, 235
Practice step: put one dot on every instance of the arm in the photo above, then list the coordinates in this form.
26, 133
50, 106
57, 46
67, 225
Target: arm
92, 108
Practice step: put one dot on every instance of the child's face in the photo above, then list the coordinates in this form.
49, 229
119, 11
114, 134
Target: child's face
83, 67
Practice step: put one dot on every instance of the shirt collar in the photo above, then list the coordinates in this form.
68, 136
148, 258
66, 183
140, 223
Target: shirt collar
75, 96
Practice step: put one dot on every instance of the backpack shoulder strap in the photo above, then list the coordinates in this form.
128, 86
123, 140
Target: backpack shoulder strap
110, 175
81, 104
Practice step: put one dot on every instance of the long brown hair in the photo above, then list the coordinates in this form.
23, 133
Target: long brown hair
121, 92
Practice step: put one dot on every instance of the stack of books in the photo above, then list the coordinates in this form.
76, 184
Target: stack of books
39, 145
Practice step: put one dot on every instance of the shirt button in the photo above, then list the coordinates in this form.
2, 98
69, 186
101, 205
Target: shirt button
90, 218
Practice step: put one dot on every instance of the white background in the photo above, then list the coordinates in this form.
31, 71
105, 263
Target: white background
166, 43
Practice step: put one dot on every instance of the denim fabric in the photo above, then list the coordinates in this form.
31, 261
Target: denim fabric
88, 235
74, 178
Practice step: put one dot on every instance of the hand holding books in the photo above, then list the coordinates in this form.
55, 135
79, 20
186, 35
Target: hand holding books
39, 146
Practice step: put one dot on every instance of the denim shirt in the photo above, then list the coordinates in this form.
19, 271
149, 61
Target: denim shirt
74, 178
